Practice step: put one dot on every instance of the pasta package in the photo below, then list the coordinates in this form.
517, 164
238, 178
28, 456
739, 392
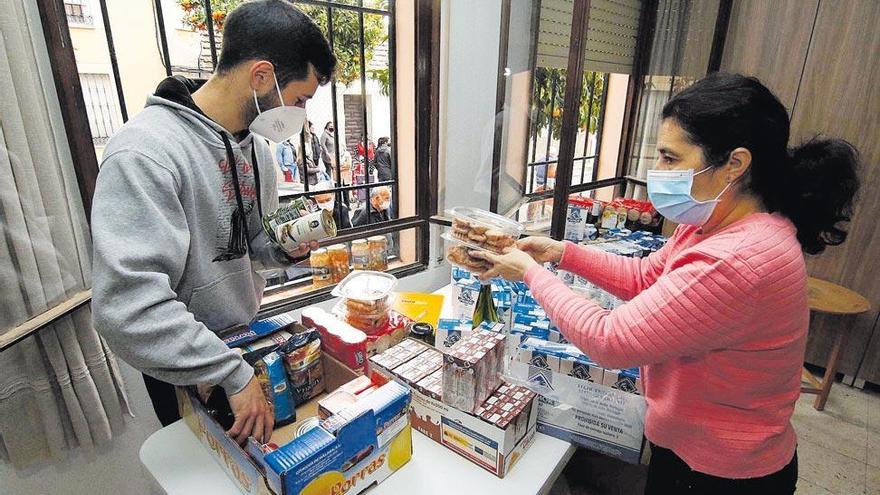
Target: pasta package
302, 360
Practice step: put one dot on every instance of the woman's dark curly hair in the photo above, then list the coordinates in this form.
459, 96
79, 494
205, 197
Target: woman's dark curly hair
813, 184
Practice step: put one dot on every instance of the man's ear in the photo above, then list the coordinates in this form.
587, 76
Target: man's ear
261, 77
738, 164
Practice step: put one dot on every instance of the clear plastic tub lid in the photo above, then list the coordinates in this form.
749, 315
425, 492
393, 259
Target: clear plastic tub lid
493, 221
343, 309
365, 285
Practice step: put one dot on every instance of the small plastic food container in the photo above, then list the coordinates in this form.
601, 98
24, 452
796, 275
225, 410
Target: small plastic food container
366, 300
369, 323
475, 229
481, 229
366, 291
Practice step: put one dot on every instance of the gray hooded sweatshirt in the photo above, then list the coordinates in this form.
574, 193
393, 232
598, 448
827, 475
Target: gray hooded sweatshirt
170, 263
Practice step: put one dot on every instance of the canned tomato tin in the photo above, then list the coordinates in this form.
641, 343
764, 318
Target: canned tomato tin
312, 227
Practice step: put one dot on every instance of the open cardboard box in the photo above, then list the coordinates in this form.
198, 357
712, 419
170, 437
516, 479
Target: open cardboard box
486, 445
357, 456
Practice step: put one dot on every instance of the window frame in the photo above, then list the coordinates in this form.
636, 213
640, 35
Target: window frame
622, 180
427, 28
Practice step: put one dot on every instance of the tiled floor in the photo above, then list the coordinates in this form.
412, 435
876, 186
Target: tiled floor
838, 452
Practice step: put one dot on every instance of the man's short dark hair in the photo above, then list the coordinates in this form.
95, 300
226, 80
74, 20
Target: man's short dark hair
276, 31
383, 140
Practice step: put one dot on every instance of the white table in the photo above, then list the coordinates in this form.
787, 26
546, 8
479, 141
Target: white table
180, 465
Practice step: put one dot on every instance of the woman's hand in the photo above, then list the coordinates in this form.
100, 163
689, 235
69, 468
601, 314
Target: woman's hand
511, 265
542, 249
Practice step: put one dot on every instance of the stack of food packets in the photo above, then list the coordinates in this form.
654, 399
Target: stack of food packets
472, 369
414, 363
389, 360
449, 331
568, 360
507, 405
288, 368
339, 339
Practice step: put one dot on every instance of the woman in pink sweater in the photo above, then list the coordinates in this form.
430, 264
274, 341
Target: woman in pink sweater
717, 319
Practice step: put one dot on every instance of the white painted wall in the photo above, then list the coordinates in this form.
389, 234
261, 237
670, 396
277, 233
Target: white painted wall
469, 62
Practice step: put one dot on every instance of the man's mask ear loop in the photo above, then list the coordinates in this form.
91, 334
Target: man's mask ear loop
277, 88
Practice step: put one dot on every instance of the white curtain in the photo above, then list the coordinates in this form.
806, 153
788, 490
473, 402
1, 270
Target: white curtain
60, 388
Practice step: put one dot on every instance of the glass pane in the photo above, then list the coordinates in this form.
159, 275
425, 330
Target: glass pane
679, 56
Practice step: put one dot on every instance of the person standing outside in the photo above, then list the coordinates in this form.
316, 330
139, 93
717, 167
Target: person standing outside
309, 158
329, 201
383, 160
328, 150
285, 155
177, 215
376, 210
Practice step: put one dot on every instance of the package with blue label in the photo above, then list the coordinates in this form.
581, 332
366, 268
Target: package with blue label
449, 331
270, 374
243, 334
560, 358
626, 380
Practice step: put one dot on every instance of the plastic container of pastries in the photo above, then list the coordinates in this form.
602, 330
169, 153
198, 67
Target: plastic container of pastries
458, 254
483, 229
369, 323
366, 292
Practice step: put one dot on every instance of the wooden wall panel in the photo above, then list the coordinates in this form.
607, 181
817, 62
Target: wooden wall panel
840, 96
768, 39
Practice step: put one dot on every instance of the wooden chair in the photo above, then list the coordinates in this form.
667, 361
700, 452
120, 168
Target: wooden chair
826, 297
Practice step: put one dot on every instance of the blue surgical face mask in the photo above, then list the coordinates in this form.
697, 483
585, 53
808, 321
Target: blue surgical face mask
670, 193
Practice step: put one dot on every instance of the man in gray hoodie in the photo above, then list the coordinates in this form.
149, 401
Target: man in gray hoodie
176, 221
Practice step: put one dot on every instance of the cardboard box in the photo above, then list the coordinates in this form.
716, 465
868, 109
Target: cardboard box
367, 445
493, 448
449, 331
472, 369
494, 443
587, 414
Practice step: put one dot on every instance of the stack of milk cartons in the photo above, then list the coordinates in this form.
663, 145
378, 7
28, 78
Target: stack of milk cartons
568, 360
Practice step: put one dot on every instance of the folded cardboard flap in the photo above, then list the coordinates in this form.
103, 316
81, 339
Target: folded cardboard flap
250, 476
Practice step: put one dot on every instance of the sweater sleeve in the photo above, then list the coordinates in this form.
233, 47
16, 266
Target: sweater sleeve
624, 277
702, 304
139, 231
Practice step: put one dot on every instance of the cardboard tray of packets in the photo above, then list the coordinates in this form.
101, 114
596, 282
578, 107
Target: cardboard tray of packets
460, 401
578, 401
337, 431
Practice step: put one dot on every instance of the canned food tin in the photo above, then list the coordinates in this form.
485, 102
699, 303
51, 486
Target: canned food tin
297, 208
312, 227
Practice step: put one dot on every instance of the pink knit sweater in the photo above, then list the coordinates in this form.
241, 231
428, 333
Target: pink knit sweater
718, 325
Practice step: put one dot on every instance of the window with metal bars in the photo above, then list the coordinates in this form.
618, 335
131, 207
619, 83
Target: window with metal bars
101, 106
77, 12
357, 164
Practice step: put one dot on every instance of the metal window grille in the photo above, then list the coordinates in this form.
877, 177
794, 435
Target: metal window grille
77, 12
101, 106
585, 166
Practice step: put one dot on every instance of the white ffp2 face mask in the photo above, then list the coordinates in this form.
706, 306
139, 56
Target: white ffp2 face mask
327, 205
280, 123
